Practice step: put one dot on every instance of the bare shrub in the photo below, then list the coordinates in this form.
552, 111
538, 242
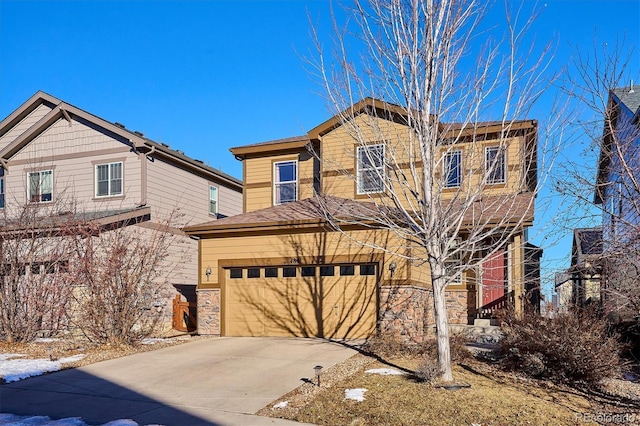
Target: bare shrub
428, 370
121, 282
388, 345
34, 252
573, 347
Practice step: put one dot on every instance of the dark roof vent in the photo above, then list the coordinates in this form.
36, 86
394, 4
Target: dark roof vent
180, 152
119, 125
199, 161
138, 133
166, 145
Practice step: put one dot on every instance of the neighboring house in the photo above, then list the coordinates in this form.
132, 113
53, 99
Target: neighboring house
50, 150
618, 192
580, 285
564, 290
279, 270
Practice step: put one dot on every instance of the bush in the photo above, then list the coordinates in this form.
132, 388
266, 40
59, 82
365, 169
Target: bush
389, 345
573, 347
428, 370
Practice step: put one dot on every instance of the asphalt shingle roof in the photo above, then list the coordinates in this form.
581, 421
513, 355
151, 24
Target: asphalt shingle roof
629, 96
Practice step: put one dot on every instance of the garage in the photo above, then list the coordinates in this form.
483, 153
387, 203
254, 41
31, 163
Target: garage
329, 301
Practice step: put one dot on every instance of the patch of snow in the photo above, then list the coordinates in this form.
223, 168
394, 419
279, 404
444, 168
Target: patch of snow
4, 357
12, 370
73, 358
282, 404
152, 340
385, 372
45, 340
15, 420
355, 394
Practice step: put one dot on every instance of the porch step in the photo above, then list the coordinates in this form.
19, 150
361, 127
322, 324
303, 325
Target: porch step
485, 322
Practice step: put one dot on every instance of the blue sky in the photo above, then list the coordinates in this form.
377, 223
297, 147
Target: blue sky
204, 76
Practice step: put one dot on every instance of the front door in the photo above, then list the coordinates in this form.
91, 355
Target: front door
493, 278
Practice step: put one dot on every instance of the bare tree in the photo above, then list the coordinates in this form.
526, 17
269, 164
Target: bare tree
610, 138
426, 60
120, 274
34, 256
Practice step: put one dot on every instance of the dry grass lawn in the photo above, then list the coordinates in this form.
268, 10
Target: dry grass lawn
493, 398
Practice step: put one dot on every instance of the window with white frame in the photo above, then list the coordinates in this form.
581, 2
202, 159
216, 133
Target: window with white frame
285, 181
40, 186
109, 179
452, 169
1, 188
371, 172
495, 164
213, 200
453, 264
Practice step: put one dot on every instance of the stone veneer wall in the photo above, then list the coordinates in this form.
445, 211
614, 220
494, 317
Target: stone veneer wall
407, 311
209, 311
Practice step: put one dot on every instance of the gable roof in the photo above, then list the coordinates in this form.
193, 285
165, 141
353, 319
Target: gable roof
63, 110
384, 110
629, 97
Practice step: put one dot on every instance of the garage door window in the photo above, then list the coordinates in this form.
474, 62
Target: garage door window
271, 272
327, 271
368, 269
236, 273
253, 273
347, 270
308, 271
289, 272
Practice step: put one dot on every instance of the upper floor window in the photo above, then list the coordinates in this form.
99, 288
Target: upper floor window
370, 173
213, 200
40, 186
495, 164
109, 179
1, 188
285, 181
452, 169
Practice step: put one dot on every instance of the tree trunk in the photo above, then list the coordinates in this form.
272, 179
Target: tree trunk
442, 322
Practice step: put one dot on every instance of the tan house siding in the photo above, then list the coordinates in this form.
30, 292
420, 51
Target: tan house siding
23, 125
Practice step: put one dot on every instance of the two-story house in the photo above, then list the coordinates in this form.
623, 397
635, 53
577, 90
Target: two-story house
617, 190
281, 269
50, 150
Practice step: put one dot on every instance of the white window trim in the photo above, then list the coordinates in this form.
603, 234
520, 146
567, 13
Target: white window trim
217, 205
95, 178
501, 151
277, 183
446, 169
380, 170
39, 189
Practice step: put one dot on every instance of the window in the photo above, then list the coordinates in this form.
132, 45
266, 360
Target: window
109, 179
35, 268
327, 271
213, 200
271, 272
1, 188
452, 169
253, 273
370, 173
346, 270
308, 271
286, 182
369, 269
494, 160
453, 264
235, 273
40, 186
288, 271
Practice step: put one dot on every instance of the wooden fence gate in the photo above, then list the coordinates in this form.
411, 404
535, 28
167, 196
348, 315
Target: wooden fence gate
184, 315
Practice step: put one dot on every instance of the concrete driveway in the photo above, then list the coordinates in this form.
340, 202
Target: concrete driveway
219, 381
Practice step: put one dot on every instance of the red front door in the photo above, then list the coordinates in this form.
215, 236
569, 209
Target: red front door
493, 278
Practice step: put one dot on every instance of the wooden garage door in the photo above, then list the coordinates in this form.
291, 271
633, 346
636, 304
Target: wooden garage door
330, 301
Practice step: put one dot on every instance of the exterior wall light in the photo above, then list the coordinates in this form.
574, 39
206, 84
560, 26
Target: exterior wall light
208, 272
392, 267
